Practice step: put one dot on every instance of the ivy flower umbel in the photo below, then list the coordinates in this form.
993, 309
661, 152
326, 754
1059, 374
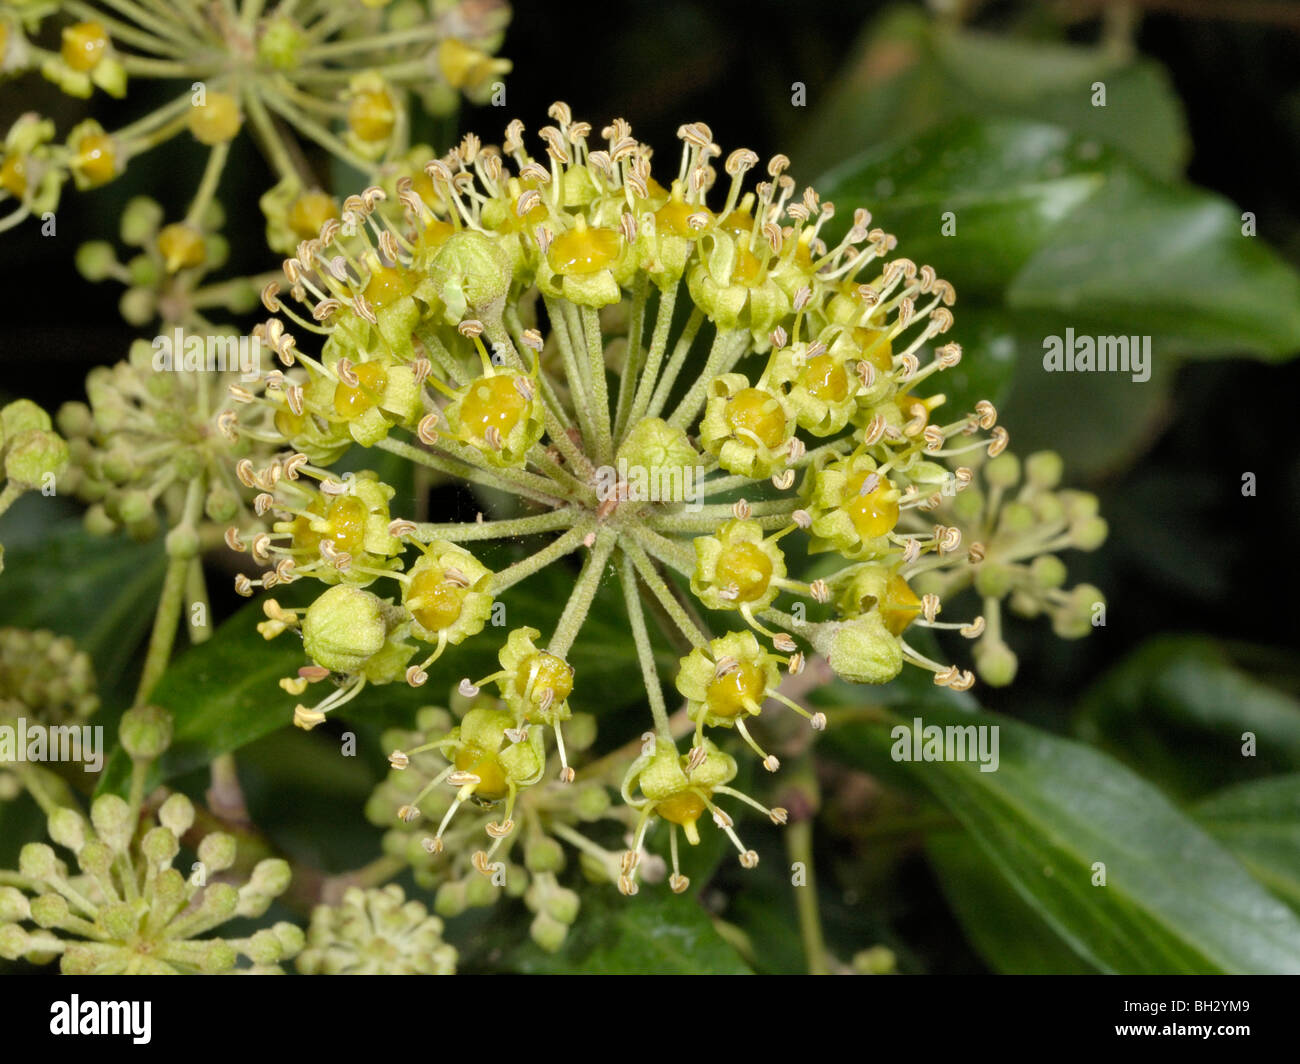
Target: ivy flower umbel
431, 768
128, 911
158, 449
533, 301
45, 679
288, 72
376, 932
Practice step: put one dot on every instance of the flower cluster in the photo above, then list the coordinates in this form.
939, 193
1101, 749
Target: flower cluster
457, 776
158, 448
166, 278
1017, 517
512, 321
375, 932
45, 679
127, 910
341, 75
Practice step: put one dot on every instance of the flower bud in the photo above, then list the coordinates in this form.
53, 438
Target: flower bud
1048, 571
132, 507
452, 899
265, 947
562, 904
470, 274
177, 814
137, 306
13, 941
1017, 517
140, 220
480, 892
580, 732
1047, 508
344, 628
1078, 505
591, 801
95, 260
993, 580
95, 858
662, 455
75, 419
548, 932
49, 910
281, 43
217, 851
145, 732
1003, 471
1043, 469
113, 821
995, 662
34, 454
13, 905
271, 877
1090, 533
67, 827
159, 846
544, 854
217, 956
861, 650
38, 861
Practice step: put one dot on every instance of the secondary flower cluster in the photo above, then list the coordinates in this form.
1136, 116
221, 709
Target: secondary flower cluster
693, 380
375, 932
340, 75
157, 447
422, 786
127, 910
48, 682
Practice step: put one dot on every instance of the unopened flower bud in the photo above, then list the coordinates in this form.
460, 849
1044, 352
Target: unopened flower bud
145, 732
344, 628
995, 662
32, 456
861, 650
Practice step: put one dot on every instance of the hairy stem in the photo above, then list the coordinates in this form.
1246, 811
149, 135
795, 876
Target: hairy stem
584, 591
644, 651
557, 549
470, 531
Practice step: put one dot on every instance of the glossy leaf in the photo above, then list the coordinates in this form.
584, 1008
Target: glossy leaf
1174, 901
1179, 710
1044, 220
99, 590
1008, 933
1004, 185
1260, 823
912, 72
